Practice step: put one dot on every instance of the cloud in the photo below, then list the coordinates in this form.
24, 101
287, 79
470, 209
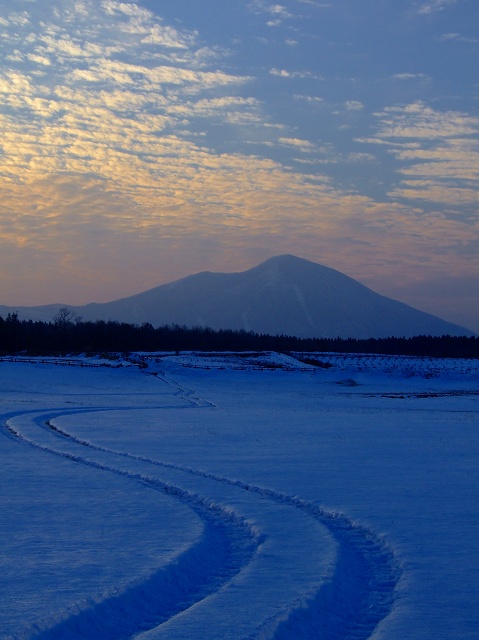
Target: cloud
456, 37
361, 157
353, 105
319, 5
283, 73
438, 152
17, 19
435, 5
409, 76
106, 156
418, 121
296, 143
101, 94
277, 11
311, 99
80, 220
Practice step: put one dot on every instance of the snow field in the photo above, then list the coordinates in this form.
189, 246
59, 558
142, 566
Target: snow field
311, 509
284, 540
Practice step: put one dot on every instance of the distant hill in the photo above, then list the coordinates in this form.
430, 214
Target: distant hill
284, 295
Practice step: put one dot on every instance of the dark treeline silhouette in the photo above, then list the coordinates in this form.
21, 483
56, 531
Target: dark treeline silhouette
67, 335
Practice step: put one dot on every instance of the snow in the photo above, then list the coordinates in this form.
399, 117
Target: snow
239, 496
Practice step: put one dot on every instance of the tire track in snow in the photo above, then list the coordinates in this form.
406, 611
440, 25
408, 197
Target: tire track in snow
361, 592
227, 544
181, 391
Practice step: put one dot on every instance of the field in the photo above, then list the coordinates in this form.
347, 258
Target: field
209, 496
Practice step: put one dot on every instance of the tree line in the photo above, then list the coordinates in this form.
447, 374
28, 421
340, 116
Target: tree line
67, 334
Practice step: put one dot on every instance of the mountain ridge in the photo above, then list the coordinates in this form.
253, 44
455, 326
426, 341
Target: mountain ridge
284, 295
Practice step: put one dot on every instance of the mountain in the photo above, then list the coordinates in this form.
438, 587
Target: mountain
284, 295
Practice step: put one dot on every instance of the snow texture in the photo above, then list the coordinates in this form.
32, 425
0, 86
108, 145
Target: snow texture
239, 496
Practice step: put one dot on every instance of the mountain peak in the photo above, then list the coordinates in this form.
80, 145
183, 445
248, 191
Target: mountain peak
284, 295
286, 261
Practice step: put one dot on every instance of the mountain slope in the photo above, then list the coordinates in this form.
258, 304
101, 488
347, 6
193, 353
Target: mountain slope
284, 295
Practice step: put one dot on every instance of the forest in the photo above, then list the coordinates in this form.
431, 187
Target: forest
67, 334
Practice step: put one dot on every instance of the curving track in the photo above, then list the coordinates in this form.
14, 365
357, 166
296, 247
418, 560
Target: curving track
253, 537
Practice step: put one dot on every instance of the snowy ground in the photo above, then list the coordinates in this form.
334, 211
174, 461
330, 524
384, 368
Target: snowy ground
214, 496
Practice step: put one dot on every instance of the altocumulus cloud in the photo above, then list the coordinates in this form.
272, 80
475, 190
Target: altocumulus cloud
440, 149
125, 136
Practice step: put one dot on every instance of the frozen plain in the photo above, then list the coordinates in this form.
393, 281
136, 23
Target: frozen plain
211, 497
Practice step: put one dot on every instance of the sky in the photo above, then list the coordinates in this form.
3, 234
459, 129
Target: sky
141, 142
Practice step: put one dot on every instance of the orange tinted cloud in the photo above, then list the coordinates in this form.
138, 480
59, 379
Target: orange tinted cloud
124, 137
